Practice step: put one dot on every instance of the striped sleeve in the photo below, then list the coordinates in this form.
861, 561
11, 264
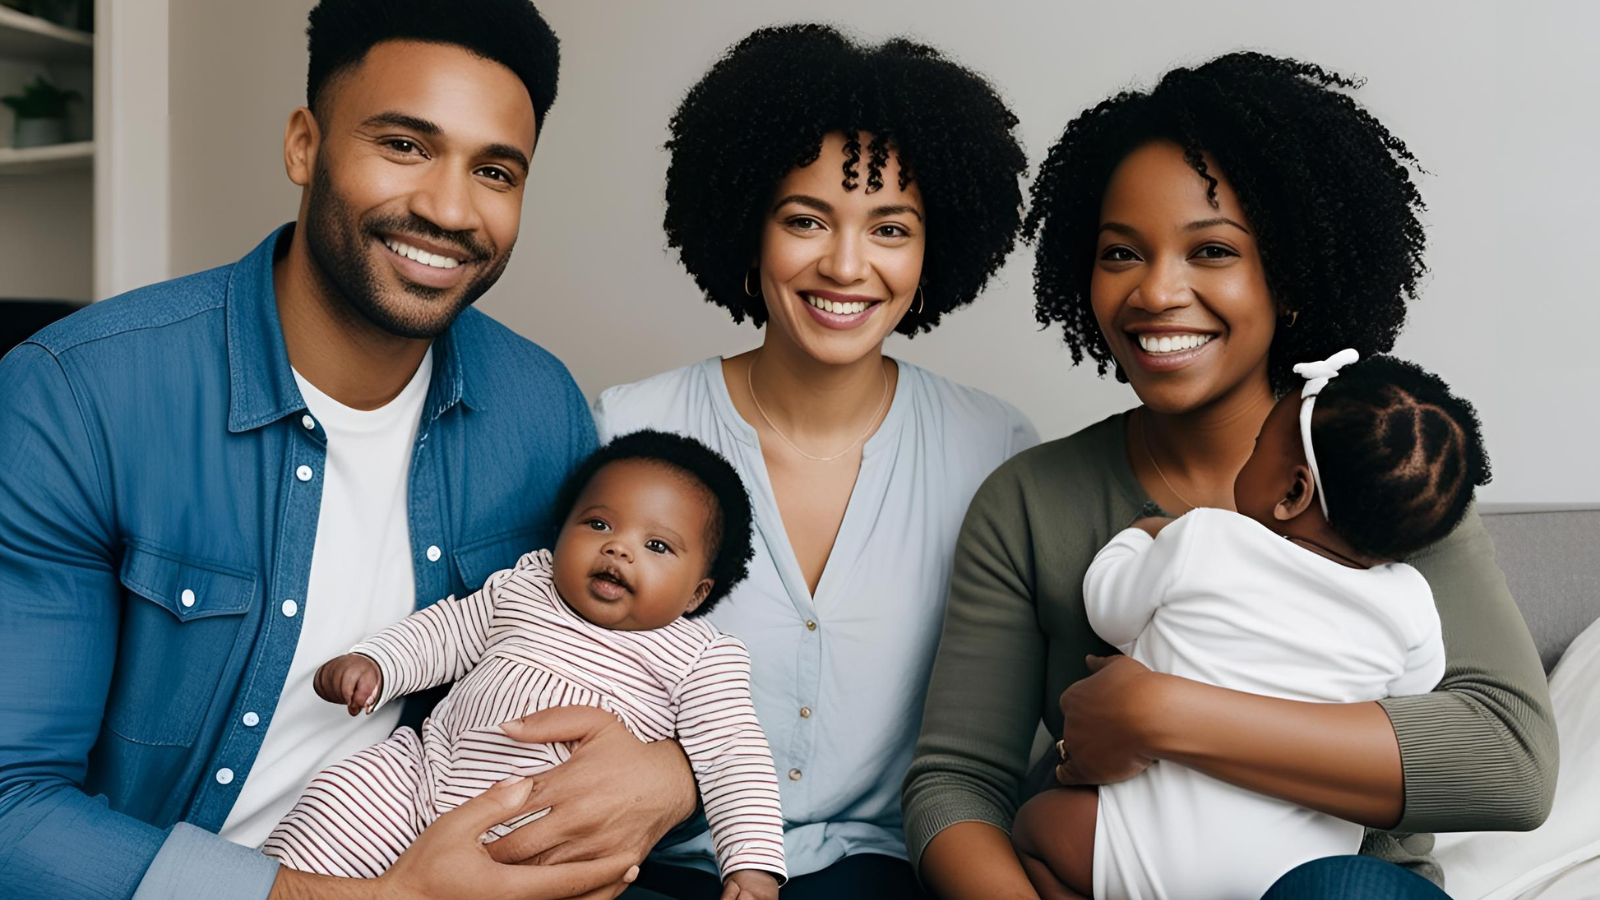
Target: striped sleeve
433, 646
719, 733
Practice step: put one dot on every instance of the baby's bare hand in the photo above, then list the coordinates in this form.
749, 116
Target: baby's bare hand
750, 884
352, 679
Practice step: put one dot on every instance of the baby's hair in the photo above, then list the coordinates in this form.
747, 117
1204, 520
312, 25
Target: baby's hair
727, 528
1398, 454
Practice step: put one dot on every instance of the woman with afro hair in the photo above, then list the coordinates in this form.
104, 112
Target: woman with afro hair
1199, 239
831, 192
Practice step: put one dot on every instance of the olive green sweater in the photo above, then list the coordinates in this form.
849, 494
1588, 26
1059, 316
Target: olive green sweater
1479, 752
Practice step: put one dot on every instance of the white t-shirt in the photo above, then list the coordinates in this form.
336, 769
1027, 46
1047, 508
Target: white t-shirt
1221, 599
361, 582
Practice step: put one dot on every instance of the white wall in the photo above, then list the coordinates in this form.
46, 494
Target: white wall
1497, 99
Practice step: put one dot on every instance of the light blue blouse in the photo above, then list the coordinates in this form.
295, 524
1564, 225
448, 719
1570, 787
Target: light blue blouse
839, 678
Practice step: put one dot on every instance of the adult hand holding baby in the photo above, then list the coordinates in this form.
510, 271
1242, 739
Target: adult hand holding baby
449, 861
1103, 722
615, 797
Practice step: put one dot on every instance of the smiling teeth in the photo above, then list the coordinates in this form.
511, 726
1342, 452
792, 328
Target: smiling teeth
1172, 343
840, 309
421, 256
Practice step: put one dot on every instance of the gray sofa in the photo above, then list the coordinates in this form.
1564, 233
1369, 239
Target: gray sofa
1551, 557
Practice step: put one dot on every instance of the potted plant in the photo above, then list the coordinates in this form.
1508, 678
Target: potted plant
41, 111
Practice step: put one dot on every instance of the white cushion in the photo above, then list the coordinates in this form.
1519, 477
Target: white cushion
1500, 865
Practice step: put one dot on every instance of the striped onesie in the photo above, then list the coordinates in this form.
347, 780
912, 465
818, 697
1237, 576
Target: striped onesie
513, 648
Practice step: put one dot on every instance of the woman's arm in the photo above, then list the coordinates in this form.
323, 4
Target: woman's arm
974, 859
1340, 759
982, 709
1478, 753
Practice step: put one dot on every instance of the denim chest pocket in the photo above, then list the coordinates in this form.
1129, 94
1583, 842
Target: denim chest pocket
180, 625
476, 561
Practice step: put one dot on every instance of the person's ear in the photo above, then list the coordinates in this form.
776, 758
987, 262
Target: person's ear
301, 138
701, 591
1302, 490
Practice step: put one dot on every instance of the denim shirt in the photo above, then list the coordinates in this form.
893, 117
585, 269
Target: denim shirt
160, 483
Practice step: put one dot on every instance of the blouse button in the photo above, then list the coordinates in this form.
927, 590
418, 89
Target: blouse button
811, 625
794, 774
805, 712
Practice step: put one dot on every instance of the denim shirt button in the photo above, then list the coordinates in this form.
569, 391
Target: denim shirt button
187, 597
308, 422
224, 776
290, 608
434, 553
303, 473
251, 720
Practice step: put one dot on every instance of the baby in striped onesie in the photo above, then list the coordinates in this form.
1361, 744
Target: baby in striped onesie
656, 531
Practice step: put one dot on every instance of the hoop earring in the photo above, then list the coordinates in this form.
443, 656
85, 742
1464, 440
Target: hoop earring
747, 291
920, 299
1294, 316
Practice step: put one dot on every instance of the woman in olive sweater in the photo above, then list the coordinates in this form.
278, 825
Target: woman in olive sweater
1202, 238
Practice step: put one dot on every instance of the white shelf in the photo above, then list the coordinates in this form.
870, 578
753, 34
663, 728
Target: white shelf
30, 37
40, 160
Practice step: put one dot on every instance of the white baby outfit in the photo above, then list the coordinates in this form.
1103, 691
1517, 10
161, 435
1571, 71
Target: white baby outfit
1221, 599
514, 648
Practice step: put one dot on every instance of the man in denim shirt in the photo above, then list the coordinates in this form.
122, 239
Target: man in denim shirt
322, 430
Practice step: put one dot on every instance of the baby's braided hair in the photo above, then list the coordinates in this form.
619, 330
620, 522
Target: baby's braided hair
1398, 454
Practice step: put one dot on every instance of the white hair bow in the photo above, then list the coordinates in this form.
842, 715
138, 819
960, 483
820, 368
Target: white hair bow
1317, 376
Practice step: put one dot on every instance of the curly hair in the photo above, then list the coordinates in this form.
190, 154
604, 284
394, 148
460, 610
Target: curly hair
509, 32
728, 528
1326, 187
762, 111
1404, 455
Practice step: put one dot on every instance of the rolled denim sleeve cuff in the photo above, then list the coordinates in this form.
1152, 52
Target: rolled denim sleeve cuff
194, 862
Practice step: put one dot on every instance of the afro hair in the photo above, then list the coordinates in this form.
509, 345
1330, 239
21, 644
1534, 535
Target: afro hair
762, 111
1327, 189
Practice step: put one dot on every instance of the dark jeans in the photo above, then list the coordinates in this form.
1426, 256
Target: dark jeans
865, 876
1340, 877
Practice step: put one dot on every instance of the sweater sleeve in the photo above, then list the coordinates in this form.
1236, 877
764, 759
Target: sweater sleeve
988, 678
1479, 752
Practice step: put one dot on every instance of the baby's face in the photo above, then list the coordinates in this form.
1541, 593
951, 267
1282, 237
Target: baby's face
1268, 475
632, 553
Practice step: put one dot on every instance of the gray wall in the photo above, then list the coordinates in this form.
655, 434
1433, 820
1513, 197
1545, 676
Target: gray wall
1497, 99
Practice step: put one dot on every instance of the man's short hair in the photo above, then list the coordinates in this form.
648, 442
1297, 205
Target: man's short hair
509, 32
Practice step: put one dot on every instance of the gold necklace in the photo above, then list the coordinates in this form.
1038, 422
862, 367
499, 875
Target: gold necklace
1144, 435
871, 423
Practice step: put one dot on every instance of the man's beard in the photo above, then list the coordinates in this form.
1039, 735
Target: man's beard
339, 242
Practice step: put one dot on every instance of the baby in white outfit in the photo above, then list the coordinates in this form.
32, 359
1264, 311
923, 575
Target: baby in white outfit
1297, 596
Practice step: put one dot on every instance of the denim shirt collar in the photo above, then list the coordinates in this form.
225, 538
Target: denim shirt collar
261, 386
